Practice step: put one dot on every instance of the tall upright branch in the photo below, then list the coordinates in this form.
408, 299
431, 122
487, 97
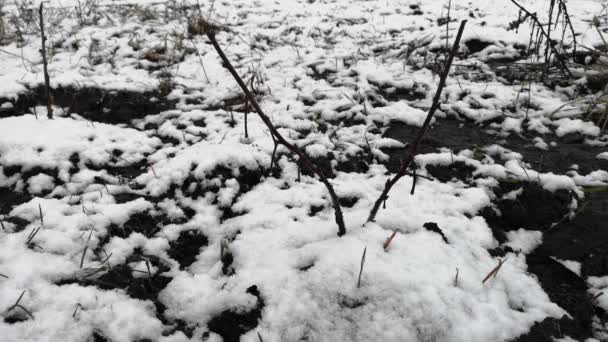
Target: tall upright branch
307, 163
412, 150
47, 86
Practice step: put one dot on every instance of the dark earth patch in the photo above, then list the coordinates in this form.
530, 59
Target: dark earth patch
116, 106
583, 238
231, 324
186, 248
460, 135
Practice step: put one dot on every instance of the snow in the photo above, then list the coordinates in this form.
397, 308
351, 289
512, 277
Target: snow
49, 144
39, 183
326, 70
524, 240
572, 265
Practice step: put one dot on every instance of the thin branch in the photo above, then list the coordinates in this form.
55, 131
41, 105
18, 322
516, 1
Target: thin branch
210, 31
411, 152
47, 87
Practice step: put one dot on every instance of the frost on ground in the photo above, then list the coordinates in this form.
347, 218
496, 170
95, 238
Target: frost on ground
151, 207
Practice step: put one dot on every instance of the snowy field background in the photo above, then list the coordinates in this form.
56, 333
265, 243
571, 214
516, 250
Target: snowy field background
142, 212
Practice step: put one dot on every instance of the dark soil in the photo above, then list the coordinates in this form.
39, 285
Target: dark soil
186, 248
567, 290
460, 135
93, 103
433, 227
534, 209
10, 199
457, 170
583, 238
142, 222
231, 324
394, 93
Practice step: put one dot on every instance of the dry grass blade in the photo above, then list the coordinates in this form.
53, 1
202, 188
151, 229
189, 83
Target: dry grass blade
17, 305
388, 241
456, 278
32, 236
494, 271
41, 215
3, 276
76, 309
596, 298
86, 248
361, 269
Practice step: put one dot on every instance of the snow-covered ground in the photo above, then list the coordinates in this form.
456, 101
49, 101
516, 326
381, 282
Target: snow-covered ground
170, 225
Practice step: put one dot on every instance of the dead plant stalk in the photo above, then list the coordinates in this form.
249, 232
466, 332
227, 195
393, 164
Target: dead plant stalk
210, 31
410, 153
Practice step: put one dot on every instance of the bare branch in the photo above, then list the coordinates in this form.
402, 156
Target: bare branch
411, 152
210, 31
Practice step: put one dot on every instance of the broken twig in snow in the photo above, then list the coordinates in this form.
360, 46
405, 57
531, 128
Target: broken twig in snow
494, 271
389, 240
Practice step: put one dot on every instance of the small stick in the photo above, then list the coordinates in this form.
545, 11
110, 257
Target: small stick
388, 241
414, 180
3, 276
41, 216
456, 278
47, 81
494, 271
76, 309
361, 269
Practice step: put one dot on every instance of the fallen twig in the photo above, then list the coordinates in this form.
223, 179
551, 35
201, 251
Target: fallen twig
494, 271
389, 240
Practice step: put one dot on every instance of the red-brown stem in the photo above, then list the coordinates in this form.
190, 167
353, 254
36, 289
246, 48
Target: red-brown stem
411, 151
306, 162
